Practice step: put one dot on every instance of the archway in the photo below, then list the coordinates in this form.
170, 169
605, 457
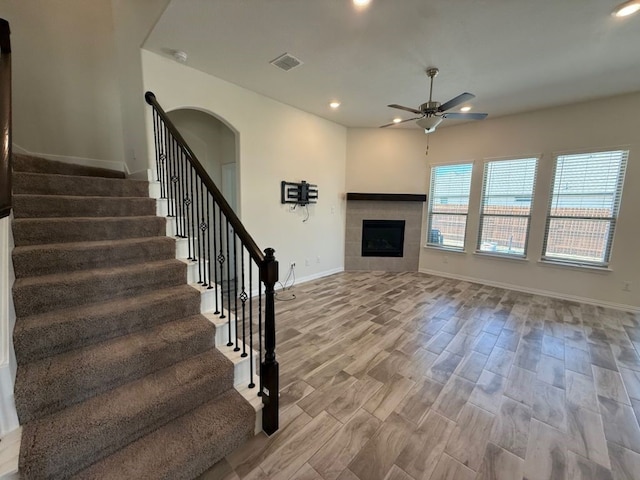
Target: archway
215, 145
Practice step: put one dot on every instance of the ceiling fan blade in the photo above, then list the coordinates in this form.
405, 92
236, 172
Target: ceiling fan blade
408, 109
398, 123
465, 116
463, 97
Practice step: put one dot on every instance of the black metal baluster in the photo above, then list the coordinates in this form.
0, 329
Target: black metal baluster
203, 233
260, 329
163, 165
171, 180
235, 288
251, 359
215, 250
243, 299
179, 187
174, 181
228, 279
203, 228
156, 140
189, 203
167, 160
162, 157
210, 223
221, 262
184, 168
198, 232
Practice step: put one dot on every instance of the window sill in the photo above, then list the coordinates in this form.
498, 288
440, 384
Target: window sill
574, 266
444, 249
512, 258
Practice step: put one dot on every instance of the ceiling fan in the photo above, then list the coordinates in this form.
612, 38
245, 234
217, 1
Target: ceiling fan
432, 113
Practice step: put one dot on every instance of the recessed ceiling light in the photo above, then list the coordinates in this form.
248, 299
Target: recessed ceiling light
397, 120
627, 8
361, 3
334, 104
465, 109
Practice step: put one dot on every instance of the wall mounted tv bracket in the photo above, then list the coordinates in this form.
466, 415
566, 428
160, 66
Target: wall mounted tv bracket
301, 193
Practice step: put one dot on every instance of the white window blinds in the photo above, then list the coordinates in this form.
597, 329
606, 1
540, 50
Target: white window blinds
505, 209
583, 209
449, 205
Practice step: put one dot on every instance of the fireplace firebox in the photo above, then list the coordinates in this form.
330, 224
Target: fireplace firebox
383, 238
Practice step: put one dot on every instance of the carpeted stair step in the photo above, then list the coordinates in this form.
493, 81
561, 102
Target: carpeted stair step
39, 231
52, 333
52, 184
34, 295
51, 384
27, 163
62, 444
55, 206
36, 260
183, 448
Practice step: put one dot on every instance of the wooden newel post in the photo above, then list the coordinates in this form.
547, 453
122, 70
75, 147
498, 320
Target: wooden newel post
5, 119
269, 368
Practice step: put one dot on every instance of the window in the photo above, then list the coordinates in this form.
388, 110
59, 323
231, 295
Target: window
505, 210
449, 205
584, 205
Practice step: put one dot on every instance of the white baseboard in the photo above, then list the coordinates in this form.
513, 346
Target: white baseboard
318, 275
534, 291
8, 415
87, 162
145, 174
10, 454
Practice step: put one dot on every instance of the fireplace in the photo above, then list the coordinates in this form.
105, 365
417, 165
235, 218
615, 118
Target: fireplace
403, 212
382, 238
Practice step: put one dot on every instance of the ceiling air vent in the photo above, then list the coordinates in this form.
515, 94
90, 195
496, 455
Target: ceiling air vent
286, 62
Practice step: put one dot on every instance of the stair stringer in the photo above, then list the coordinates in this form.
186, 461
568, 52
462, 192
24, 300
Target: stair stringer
242, 367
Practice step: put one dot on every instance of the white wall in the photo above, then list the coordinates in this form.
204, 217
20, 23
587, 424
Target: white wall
77, 77
133, 20
386, 160
65, 88
276, 142
374, 157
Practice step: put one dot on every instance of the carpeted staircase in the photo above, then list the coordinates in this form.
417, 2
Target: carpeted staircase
118, 377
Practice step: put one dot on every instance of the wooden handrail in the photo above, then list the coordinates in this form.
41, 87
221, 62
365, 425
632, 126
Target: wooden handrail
188, 188
235, 222
5, 119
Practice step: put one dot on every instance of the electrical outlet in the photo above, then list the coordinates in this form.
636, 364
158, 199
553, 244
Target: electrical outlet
306, 262
445, 259
318, 259
626, 286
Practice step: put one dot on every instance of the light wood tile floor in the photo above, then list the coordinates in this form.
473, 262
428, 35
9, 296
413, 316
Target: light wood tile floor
408, 376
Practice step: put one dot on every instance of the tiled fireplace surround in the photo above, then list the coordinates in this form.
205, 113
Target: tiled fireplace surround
379, 206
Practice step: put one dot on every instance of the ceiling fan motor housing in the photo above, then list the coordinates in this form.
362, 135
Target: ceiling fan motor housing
429, 107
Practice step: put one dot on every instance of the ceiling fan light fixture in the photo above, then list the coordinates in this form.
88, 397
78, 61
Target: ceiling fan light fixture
334, 105
361, 3
397, 120
627, 8
465, 109
429, 123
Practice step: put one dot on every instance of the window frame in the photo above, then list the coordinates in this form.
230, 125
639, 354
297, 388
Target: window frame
613, 220
528, 217
430, 212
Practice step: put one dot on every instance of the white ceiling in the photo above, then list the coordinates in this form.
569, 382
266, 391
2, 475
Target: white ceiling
515, 55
